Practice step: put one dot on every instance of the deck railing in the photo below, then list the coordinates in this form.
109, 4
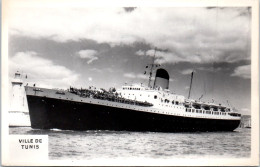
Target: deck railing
209, 112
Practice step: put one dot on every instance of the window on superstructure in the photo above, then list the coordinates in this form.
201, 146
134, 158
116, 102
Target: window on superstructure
173, 102
177, 103
206, 108
155, 97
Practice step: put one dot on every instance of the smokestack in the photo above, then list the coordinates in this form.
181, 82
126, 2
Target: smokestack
161, 79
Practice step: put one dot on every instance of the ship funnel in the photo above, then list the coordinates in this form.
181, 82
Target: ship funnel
161, 79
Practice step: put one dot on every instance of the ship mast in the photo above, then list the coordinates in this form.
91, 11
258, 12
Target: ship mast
151, 72
190, 84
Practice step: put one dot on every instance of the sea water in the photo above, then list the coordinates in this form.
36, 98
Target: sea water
85, 145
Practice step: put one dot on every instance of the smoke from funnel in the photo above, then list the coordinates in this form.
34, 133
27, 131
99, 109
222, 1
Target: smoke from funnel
161, 79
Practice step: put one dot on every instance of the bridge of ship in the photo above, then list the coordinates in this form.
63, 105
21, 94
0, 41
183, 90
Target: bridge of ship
157, 97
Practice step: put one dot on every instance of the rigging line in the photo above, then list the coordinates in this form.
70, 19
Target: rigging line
151, 72
204, 86
215, 47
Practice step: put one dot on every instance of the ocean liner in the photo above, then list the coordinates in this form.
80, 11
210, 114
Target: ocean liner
132, 108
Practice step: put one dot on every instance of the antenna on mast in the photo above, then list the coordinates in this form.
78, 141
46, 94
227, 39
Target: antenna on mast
229, 104
190, 84
151, 71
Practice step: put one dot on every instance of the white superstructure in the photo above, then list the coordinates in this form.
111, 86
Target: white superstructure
159, 98
165, 102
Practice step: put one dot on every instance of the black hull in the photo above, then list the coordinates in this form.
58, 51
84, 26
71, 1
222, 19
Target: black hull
49, 113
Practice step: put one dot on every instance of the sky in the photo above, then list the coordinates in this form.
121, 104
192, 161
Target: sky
109, 47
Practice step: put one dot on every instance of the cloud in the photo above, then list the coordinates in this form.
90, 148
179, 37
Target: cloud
135, 76
141, 76
98, 70
210, 69
42, 71
196, 69
140, 53
162, 57
245, 110
201, 35
88, 54
187, 87
242, 72
187, 71
129, 9
129, 75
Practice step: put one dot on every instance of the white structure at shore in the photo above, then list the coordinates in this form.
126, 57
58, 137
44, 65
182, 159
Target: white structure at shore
18, 111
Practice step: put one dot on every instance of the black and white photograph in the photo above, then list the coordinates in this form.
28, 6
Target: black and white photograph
158, 83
